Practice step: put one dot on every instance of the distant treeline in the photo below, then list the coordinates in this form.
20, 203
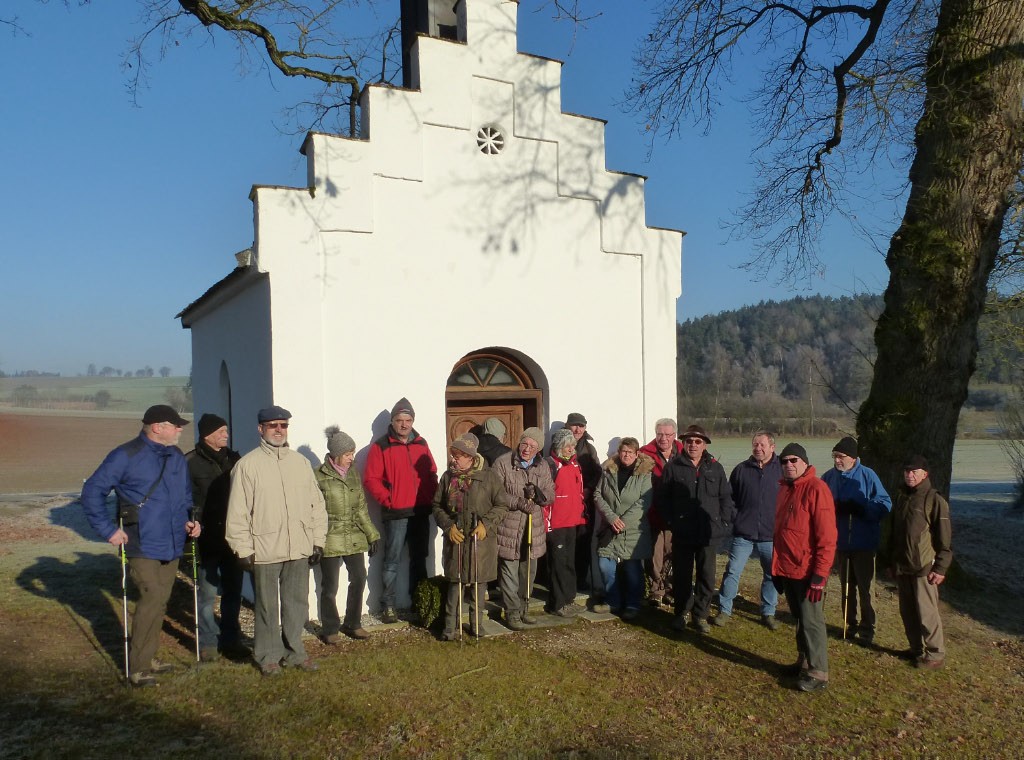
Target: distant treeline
812, 357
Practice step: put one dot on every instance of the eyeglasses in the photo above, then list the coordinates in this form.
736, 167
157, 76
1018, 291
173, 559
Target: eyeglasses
790, 460
275, 425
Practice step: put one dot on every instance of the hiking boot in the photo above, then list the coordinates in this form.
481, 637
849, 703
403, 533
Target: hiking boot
389, 615
567, 611
308, 665
701, 625
770, 622
449, 636
630, 613
332, 638
514, 622
156, 666
209, 655
721, 619
601, 609
810, 683
359, 633
796, 668
142, 679
910, 654
865, 638
270, 670
679, 623
527, 619
654, 601
928, 663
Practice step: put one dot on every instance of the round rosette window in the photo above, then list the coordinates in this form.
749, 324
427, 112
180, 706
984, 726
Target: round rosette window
490, 140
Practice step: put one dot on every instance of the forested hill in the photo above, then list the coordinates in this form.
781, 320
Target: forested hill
802, 350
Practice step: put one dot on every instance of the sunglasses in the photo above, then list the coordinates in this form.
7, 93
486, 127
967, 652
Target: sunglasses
790, 460
275, 425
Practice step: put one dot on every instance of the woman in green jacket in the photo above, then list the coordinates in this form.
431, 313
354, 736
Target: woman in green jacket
349, 534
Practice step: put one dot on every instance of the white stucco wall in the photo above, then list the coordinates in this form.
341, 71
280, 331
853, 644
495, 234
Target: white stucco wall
413, 248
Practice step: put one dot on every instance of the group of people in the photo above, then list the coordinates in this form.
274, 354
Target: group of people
501, 510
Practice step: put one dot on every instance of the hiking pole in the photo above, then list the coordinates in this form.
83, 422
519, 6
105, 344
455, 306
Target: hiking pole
476, 582
124, 600
529, 556
195, 591
458, 604
846, 592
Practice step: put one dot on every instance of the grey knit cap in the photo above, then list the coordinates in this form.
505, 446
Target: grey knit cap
495, 427
535, 434
338, 442
560, 437
402, 406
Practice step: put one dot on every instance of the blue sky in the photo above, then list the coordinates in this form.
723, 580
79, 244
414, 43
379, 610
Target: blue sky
115, 216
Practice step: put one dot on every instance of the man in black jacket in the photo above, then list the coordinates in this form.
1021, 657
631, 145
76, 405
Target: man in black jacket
209, 465
697, 504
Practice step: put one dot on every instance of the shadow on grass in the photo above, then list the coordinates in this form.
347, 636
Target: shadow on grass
89, 589
72, 517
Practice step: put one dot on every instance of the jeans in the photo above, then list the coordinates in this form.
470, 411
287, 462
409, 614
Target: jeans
633, 577
282, 608
330, 569
739, 552
224, 574
413, 531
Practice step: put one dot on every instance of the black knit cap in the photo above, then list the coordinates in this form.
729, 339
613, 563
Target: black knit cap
848, 446
795, 450
208, 423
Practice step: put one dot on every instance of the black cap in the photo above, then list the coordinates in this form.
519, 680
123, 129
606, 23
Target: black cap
273, 413
795, 450
208, 423
848, 446
162, 413
575, 418
916, 462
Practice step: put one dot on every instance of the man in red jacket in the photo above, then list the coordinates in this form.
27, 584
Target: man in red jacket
805, 545
401, 475
661, 450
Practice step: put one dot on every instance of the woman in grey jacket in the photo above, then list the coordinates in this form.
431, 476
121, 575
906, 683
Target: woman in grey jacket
623, 498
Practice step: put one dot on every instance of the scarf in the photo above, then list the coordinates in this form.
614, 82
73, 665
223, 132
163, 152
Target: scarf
459, 485
338, 469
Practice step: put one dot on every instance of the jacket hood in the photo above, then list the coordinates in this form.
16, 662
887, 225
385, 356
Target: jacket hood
644, 464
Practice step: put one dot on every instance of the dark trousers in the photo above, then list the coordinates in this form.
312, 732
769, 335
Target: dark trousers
811, 638
856, 571
154, 580
413, 532
562, 566
330, 569
219, 574
451, 607
685, 559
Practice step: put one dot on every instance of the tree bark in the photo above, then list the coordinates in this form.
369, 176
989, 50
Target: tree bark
970, 146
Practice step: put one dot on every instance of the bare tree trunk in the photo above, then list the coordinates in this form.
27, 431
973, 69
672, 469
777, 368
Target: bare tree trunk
970, 144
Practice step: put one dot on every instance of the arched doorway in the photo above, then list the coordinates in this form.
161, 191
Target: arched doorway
492, 383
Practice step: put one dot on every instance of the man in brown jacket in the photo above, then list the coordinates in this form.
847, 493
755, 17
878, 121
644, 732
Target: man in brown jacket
921, 556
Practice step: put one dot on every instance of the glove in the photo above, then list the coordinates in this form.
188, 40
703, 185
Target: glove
816, 590
247, 563
374, 546
530, 492
455, 535
316, 556
479, 532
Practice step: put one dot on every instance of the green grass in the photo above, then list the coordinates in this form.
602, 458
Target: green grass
128, 394
584, 690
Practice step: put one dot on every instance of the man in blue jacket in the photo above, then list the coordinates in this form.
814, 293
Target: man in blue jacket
861, 505
755, 486
154, 495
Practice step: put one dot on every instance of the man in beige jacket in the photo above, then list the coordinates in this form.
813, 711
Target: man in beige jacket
277, 525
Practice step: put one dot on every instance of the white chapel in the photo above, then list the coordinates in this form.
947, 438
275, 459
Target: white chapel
469, 251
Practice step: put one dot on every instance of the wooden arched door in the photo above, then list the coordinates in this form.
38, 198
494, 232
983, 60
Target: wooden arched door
492, 384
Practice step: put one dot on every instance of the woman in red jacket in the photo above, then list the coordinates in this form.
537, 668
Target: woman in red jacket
561, 520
